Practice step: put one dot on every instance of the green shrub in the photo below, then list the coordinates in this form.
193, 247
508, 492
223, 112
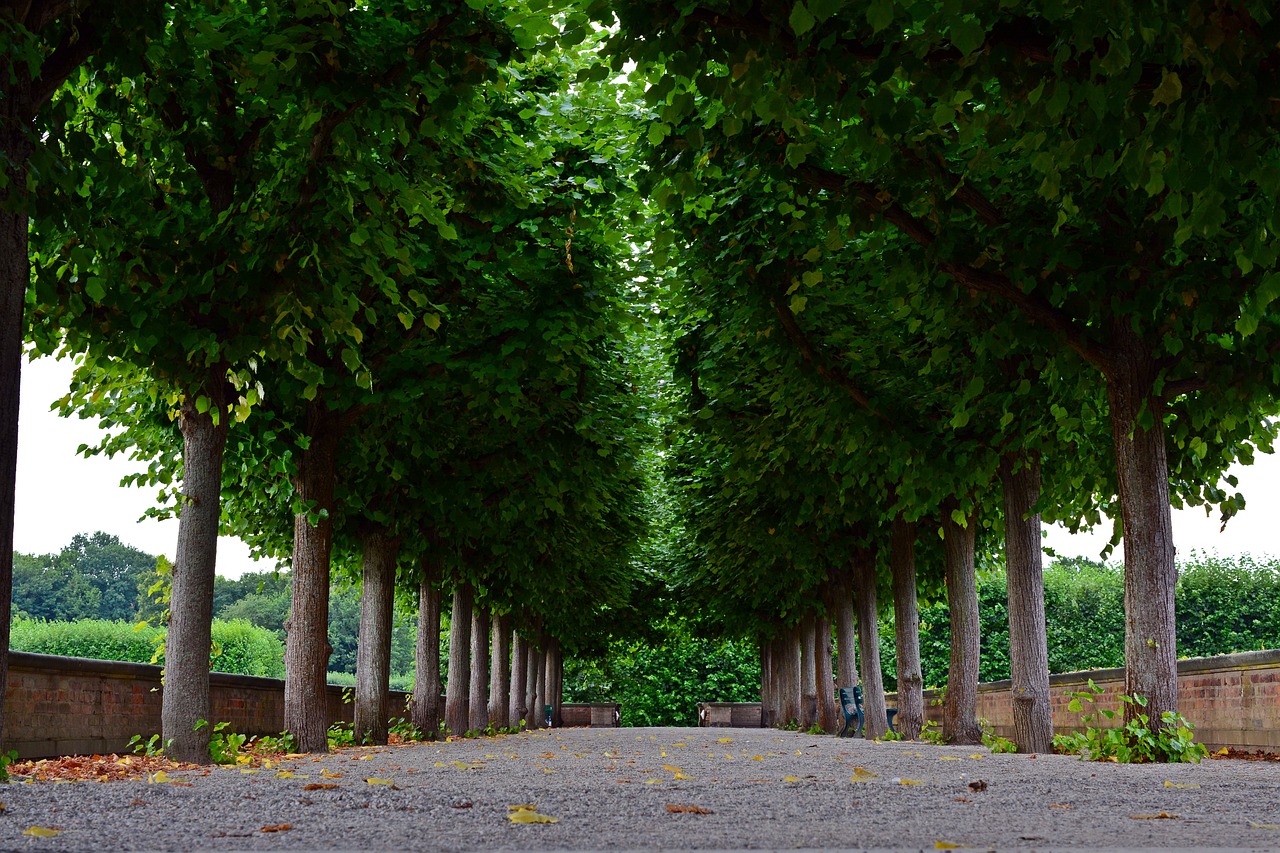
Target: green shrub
239, 647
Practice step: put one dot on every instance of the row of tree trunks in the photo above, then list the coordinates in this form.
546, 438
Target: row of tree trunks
373, 652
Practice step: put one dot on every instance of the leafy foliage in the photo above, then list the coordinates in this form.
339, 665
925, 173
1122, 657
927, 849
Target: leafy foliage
1136, 742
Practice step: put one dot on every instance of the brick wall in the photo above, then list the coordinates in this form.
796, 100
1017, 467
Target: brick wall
1233, 700
68, 706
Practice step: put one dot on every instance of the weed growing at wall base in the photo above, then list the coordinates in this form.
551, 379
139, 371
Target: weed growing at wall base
1134, 743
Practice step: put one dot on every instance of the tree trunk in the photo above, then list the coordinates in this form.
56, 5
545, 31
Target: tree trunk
876, 720
808, 669
1150, 574
185, 697
841, 605
960, 707
540, 683
479, 703
555, 680
791, 712
307, 649
828, 709
519, 670
500, 672
426, 684
533, 664
1028, 644
766, 684
906, 629
457, 695
373, 652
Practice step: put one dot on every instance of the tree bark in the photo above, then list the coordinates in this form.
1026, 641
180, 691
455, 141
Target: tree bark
479, 702
555, 680
14, 275
426, 685
185, 697
307, 648
540, 683
829, 716
457, 695
533, 664
791, 712
373, 652
519, 672
876, 720
960, 707
1150, 574
906, 629
808, 669
846, 632
766, 684
500, 674
1028, 644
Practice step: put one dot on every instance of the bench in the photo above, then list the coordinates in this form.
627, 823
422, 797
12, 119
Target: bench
851, 704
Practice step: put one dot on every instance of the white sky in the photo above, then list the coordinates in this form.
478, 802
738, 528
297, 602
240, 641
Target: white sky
61, 494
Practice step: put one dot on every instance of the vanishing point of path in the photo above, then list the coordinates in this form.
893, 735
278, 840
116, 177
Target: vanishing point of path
661, 788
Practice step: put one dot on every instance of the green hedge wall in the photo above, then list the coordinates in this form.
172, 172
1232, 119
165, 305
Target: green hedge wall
239, 647
1224, 605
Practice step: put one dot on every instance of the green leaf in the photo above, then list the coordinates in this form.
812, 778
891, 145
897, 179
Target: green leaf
1169, 90
801, 19
880, 14
967, 35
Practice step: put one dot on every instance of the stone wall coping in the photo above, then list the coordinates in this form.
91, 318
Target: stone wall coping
1186, 666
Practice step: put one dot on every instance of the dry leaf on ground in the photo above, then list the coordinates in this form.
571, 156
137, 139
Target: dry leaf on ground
1169, 784
528, 814
319, 786
681, 809
279, 827
43, 831
1160, 816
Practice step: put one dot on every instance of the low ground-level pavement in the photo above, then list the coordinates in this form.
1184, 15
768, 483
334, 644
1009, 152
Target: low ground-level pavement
658, 788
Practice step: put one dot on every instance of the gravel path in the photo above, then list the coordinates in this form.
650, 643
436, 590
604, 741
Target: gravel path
613, 789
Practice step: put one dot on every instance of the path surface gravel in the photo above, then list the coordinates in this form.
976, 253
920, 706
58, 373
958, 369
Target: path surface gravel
613, 789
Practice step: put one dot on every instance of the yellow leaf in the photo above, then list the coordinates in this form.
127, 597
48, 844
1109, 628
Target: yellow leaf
1223, 751
295, 755
267, 764
790, 778
945, 845
949, 758
757, 758
1169, 784
43, 831
530, 816
671, 768
725, 740
977, 755
242, 760
910, 782
1263, 825
653, 782
373, 780
326, 774
862, 774
799, 752
364, 758
159, 777
680, 775
1160, 816
289, 774
248, 770
441, 764
679, 744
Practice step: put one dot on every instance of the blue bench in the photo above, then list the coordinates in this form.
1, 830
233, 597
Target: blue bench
851, 704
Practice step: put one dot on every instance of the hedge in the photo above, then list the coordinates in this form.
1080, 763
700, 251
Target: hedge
239, 647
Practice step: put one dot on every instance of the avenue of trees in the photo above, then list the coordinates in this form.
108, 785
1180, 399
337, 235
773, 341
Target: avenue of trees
547, 314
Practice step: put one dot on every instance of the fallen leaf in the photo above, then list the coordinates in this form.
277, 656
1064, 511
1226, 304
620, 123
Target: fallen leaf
159, 777
946, 845
182, 784
757, 758
1223, 751
279, 827
978, 785
910, 782
678, 809
671, 768
465, 804
319, 786
862, 774
679, 744
653, 781
364, 758
372, 780
1169, 784
528, 814
1061, 806
950, 758
249, 770
977, 756
288, 774
326, 774
725, 740
43, 831
1160, 816
1253, 825
790, 779
961, 800
680, 775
